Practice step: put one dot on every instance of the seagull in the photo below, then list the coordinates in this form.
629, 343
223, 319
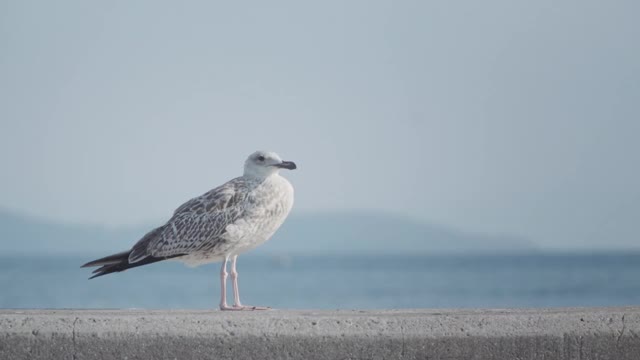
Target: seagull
217, 226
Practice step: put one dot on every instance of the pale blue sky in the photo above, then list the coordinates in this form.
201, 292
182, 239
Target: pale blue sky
493, 116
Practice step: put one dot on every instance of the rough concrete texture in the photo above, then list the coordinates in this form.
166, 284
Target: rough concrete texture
588, 333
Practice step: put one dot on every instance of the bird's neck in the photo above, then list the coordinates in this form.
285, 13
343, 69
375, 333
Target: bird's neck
261, 177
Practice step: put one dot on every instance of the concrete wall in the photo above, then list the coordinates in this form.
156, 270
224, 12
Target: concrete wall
588, 333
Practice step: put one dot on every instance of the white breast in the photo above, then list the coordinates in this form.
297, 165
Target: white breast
269, 205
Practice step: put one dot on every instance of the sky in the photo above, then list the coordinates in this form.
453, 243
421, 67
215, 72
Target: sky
506, 117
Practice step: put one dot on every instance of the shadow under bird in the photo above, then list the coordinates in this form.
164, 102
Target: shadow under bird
219, 225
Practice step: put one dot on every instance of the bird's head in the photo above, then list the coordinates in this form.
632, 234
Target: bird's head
262, 164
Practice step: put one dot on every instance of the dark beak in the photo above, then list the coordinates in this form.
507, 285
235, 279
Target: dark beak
286, 165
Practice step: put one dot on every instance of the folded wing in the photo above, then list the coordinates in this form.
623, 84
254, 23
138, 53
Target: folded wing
198, 223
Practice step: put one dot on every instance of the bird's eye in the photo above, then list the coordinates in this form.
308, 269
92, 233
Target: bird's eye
260, 158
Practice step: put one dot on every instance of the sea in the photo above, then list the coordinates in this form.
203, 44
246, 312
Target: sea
333, 282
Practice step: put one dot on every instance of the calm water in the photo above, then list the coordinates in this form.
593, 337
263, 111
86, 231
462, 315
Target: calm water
333, 282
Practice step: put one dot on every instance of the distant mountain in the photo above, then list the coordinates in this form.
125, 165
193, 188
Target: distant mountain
331, 233
375, 232
25, 234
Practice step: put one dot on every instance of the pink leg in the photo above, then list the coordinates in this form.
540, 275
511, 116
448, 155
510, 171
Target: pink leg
237, 305
223, 285
234, 278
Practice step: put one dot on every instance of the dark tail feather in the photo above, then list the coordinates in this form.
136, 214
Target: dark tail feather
107, 260
120, 262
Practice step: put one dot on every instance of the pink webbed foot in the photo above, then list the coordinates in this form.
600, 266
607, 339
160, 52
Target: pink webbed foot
243, 308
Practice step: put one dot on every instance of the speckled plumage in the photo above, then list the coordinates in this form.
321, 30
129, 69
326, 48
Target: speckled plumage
225, 221
218, 225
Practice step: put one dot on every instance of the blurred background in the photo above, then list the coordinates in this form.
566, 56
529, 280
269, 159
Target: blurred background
451, 154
